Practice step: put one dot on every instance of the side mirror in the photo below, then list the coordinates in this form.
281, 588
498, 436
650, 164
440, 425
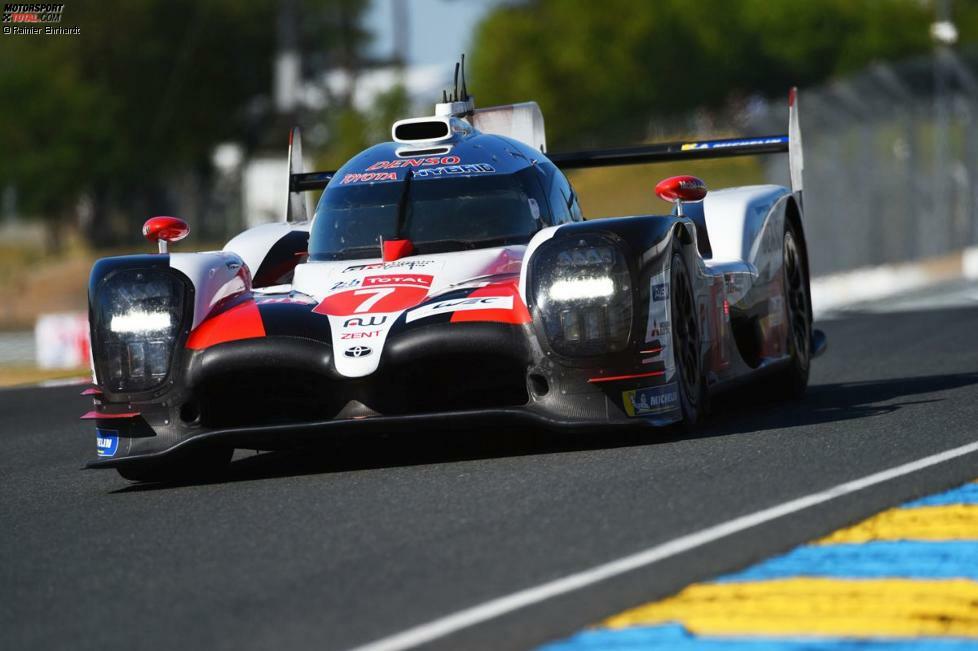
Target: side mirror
677, 189
164, 230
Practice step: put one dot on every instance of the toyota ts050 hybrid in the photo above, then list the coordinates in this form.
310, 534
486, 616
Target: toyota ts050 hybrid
446, 276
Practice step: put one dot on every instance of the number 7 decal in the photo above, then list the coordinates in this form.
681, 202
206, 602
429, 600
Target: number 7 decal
376, 295
372, 300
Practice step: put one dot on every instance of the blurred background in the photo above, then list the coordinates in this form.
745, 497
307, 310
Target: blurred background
183, 107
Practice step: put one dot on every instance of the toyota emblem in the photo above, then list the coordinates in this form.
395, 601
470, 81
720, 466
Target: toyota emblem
357, 351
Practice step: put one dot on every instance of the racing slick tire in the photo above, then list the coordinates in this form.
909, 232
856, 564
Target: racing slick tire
792, 381
693, 395
202, 464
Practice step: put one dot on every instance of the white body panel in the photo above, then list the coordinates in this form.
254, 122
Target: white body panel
356, 288
542, 236
735, 217
523, 122
253, 244
216, 276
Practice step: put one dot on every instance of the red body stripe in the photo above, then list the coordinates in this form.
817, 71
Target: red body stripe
612, 378
240, 322
517, 316
92, 415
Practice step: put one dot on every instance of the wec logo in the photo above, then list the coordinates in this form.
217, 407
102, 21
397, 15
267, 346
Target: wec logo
459, 305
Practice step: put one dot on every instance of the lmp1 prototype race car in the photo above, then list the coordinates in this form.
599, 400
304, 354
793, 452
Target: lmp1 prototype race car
447, 277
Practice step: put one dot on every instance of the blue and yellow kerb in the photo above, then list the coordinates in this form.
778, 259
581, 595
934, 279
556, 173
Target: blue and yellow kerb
904, 579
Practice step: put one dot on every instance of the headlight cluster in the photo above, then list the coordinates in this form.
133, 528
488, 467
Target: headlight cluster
582, 287
137, 323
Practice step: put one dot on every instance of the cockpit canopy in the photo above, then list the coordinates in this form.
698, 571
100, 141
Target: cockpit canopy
475, 191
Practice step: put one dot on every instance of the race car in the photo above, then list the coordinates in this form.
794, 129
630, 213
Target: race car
449, 277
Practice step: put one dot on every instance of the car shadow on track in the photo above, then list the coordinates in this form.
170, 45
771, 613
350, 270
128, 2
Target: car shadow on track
737, 412
747, 410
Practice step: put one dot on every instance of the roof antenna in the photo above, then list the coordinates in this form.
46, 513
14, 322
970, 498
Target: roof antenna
456, 83
465, 91
444, 96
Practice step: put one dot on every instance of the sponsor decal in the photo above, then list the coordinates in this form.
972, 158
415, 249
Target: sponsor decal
414, 162
473, 168
360, 321
460, 305
298, 300
366, 334
723, 144
651, 400
106, 442
365, 177
346, 284
383, 293
358, 351
413, 280
398, 265
659, 327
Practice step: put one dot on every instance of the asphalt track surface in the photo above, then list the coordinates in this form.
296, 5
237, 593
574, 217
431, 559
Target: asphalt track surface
360, 540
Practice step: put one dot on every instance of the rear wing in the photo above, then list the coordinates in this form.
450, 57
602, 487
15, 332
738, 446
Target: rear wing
789, 143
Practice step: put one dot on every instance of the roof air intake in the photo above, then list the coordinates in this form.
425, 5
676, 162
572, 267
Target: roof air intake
422, 130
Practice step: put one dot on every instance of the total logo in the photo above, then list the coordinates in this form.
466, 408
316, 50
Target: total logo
358, 351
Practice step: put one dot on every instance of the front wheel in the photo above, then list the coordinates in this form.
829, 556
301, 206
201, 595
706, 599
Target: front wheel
686, 344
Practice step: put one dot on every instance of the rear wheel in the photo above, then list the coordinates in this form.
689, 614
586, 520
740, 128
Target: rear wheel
202, 464
793, 380
686, 343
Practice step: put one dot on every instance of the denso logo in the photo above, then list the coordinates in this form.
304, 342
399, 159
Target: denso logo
414, 162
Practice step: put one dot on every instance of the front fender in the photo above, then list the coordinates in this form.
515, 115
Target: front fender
217, 277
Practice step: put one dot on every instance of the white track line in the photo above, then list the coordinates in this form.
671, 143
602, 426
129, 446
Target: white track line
449, 624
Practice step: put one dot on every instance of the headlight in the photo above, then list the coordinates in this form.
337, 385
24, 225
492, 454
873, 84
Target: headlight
136, 325
583, 290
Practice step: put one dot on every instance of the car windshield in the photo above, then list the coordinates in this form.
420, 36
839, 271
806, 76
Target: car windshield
441, 214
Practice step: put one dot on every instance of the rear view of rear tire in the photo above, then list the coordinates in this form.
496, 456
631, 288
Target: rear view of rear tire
686, 344
793, 380
199, 465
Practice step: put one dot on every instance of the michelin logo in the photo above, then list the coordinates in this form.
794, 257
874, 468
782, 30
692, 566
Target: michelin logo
651, 400
107, 442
